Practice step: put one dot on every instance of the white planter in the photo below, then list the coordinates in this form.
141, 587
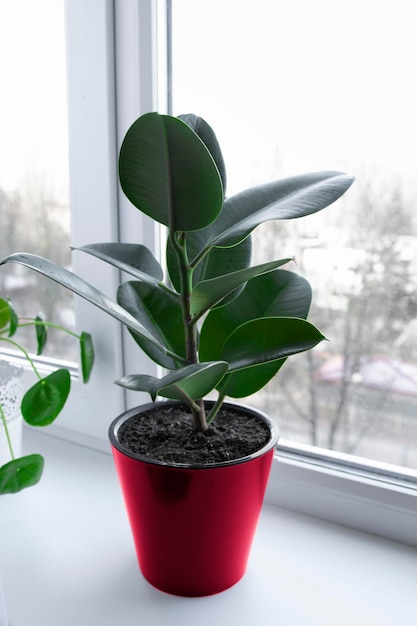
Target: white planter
11, 392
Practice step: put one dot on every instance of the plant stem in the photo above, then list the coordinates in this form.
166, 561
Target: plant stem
6, 430
27, 357
32, 322
186, 282
215, 408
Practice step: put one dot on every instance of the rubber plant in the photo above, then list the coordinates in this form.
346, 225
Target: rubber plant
42, 402
217, 322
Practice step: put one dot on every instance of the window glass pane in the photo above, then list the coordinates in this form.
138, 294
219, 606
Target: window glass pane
299, 86
34, 205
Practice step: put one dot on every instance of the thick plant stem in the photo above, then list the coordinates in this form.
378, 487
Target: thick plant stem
186, 278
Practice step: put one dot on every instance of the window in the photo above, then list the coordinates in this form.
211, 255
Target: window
102, 38
291, 87
34, 200
112, 55
111, 78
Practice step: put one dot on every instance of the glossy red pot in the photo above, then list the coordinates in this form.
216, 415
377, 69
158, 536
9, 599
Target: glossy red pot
193, 526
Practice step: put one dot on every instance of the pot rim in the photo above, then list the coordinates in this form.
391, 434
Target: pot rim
118, 421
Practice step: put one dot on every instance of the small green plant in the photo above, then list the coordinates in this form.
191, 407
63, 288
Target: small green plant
218, 323
44, 401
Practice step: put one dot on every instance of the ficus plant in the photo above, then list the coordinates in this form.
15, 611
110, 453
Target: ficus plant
216, 323
42, 402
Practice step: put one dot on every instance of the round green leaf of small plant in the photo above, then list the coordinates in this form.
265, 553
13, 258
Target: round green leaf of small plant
21, 473
41, 334
14, 319
43, 402
87, 355
4, 312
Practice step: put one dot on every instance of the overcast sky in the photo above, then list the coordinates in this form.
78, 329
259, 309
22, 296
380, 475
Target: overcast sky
288, 85
33, 116
301, 84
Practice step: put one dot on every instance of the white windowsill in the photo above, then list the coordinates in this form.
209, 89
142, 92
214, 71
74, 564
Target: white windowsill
66, 557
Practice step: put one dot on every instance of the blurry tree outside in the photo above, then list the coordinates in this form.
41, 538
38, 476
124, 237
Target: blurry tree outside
357, 393
325, 85
33, 220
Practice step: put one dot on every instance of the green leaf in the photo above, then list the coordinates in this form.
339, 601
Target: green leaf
21, 473
132, 258
280, 293
159, 311
79, 286
207, 134
86, 355
43, 402
247, 381
167, 172
210, 292
257, 350
218, 261
14, 319
268, 339
288, 198
4, 313
224, 261
41, 334
193, 381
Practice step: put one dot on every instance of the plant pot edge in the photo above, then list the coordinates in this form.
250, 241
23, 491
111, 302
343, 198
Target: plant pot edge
125, 415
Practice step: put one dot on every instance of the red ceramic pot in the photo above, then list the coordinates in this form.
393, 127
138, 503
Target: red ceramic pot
193, 526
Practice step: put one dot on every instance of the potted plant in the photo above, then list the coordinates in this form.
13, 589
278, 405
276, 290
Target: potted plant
218, 325
41, 403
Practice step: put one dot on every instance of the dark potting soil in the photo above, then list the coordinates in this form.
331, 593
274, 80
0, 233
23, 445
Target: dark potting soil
167, 435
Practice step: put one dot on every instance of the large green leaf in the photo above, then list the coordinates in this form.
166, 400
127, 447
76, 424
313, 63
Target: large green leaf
194, 381
135, 259
277, 294
43, 402
82, 288
159, 311
210, 292
207, 134
21, 473
247, 381
288, 198
268, 339
167, 172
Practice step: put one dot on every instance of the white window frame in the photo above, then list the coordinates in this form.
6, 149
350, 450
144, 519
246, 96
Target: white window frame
370, 497
112, 79
111, 70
